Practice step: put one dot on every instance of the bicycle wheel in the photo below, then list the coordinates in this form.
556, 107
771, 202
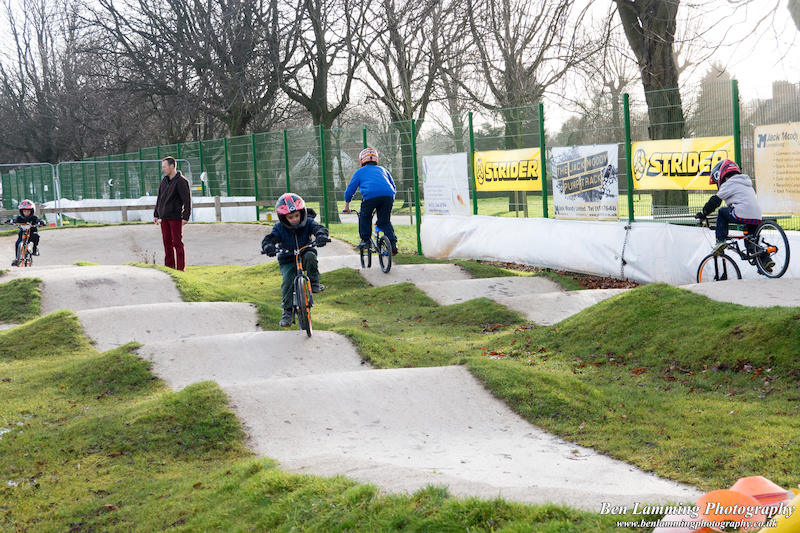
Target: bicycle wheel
771, 238
21, 254
366, 256
303, 302
385, 253
717, 268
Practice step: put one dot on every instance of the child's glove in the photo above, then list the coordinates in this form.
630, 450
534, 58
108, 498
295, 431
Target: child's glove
42, 223
269, 249
700, 216
322, 240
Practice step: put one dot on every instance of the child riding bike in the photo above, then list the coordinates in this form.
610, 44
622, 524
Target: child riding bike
27, 215
377, 193
736, 190
294, 230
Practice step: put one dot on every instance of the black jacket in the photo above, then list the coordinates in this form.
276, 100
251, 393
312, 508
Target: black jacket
174, 198
292, 239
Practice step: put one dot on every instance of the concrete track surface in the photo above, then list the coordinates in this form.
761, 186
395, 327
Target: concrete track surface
311, 403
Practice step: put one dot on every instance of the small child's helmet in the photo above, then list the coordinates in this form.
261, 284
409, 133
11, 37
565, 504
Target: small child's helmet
722, 171
27, 204
291, 203
368, 155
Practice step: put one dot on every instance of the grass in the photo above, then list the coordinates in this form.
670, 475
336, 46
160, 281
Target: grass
94, 442
20, 300
691, 389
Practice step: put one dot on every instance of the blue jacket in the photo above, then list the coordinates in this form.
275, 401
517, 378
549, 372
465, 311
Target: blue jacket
292, 239
374, 181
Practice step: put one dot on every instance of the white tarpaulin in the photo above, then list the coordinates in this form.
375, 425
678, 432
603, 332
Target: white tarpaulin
644, 252
147, 204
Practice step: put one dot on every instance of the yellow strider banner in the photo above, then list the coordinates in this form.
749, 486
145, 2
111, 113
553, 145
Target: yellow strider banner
682, 164
509, 170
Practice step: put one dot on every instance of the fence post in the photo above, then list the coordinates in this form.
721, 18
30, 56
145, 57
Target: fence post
125, 175
543, 150
43, 196
626, 106
227, 167
255, 172
364, 136
200, 156
83, 180
472, 166
96, 182
110, 179
737, 126
322, 167
416, 182
286, 159
141, 174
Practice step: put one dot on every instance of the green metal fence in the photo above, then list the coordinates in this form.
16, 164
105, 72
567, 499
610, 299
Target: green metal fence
319, 164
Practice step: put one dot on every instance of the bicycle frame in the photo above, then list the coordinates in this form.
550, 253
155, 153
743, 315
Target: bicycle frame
302, 298
24, 254
379, 244
767, 249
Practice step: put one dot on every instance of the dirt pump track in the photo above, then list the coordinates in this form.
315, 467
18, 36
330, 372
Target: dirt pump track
315, 407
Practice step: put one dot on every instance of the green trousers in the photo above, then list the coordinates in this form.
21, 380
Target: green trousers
288, 273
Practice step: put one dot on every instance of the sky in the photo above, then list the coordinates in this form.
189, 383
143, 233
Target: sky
758, 54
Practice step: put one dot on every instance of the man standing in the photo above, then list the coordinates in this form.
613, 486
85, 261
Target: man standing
173, 207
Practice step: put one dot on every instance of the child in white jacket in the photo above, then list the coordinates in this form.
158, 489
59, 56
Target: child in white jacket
736, 190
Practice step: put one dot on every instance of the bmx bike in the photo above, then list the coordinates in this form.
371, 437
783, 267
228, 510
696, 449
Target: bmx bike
302, 296
767, 244
380, 245
24, 256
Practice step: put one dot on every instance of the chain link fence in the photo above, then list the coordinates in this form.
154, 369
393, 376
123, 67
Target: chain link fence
318, 164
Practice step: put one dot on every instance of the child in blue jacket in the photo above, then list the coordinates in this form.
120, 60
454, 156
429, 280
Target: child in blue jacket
377, 196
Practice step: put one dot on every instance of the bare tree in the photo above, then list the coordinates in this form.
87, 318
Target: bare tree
322, 46
213, 56
524, 47
401, 63
452, 30
650, 26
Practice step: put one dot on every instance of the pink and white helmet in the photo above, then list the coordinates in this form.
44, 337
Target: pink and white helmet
368, 155
291, 203
27, 204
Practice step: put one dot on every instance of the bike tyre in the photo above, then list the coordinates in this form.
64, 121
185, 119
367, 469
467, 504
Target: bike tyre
303, 302
717, 268
770, 234
366, 256
385, 253
21, 254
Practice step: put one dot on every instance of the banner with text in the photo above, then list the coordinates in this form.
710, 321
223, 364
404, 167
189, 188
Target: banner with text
509, 170
678, 164
777, 165
586, 182
445, 182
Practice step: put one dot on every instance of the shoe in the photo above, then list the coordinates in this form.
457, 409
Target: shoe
35, 251
316, 287
719, 248
287, 319
363, 244
768, 265
14, 263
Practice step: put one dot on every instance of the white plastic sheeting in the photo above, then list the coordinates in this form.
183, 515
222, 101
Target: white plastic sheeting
199, 214
644, 252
